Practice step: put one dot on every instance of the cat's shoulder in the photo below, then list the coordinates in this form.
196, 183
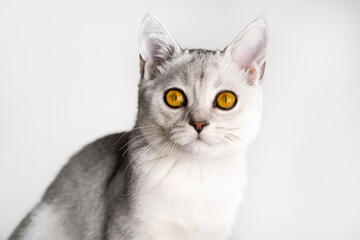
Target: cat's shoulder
101, 151
91, 167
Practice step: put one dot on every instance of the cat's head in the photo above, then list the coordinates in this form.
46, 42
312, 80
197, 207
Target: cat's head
200, 101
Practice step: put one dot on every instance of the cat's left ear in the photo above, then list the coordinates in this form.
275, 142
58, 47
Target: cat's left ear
248, 50
156, 46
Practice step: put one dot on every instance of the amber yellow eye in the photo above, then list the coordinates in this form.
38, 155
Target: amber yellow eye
175, 98
226, 100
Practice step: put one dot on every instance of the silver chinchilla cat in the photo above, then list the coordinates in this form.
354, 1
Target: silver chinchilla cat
180, 172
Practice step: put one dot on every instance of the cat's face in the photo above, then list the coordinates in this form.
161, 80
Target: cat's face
197, 101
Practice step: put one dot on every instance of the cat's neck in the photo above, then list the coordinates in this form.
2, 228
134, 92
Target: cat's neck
180, 163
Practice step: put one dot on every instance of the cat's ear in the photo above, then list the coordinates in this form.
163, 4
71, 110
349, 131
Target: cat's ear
156, 46
248, 50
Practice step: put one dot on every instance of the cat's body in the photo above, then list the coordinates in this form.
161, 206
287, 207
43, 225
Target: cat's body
199, 202
75, 204
165, 179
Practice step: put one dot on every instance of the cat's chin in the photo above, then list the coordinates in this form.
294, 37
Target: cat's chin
200, 147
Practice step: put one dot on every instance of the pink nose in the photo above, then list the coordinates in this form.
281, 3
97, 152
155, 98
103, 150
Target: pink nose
198, 125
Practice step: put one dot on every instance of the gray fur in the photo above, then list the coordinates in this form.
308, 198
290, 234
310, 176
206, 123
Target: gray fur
98, 193
80, 191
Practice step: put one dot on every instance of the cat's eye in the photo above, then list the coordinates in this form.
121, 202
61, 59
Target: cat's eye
225, 100
175, 98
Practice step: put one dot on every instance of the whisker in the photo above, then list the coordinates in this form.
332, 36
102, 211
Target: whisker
141, 135
168, 172
140, 127
143, 152
225, 128
228, 138
150, 146
234, 136
162, 154
136, 142
164, 147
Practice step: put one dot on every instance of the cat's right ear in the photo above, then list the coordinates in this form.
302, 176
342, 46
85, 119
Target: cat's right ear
248, 50
156, 46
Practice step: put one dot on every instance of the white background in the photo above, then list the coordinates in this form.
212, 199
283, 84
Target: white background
69, 74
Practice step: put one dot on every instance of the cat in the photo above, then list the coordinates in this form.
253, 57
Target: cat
180, 173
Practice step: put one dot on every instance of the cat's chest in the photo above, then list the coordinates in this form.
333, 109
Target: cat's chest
190, 194
183, 177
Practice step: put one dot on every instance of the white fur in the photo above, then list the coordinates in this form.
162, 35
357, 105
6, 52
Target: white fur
181, 197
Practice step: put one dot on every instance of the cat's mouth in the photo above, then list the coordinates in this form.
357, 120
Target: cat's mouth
200, 140
198, 145
194, 142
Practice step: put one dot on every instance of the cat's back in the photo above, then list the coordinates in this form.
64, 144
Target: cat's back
74, 205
